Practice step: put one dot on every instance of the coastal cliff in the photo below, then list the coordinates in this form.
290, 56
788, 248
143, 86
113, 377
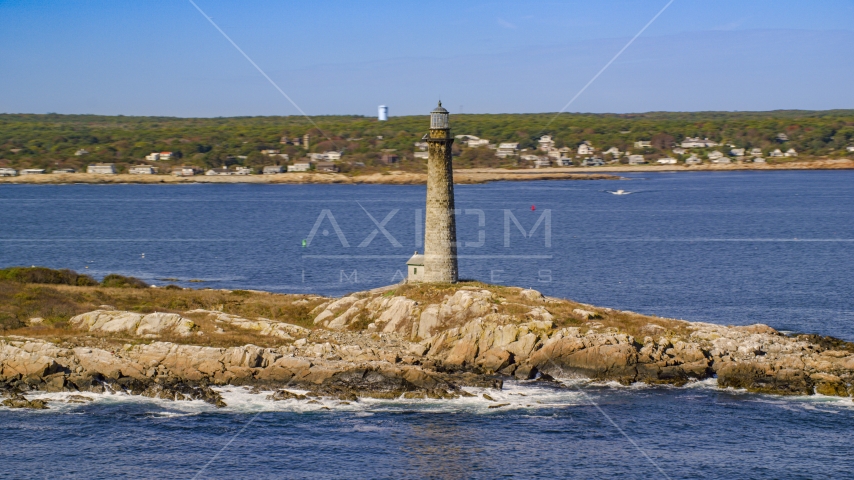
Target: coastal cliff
412, 340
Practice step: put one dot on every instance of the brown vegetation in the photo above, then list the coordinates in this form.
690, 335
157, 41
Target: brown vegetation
55, 304
46, 275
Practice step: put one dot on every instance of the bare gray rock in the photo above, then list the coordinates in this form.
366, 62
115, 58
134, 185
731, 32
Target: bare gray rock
115, 321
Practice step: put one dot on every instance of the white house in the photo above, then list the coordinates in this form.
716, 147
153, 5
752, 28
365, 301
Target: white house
32, 171
142, 170
782, 137
472, 141
332, 156
850, 149
679, 151
421, 146
791, 153
82, 151
508, 149
8, 172
415, 268
613, 152
545, 143
776, 153
737, 152
102, 168
273, 169
693, 160
643, 144
270, 151
422, 155
299, 167
636, 160
666, 161
185, 171
696, 142
63, 170
554, 153
219, 171
759, 160
756, 152
530, 158
238, 170
586, 148
542, 162
153, 157
715, 155
592, 162
721, 160
564, 162
165, 155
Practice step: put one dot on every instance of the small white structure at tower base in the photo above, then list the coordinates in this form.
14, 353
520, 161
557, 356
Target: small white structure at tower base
415, 268
382, 114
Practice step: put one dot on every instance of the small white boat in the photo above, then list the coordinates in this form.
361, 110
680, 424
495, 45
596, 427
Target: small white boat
619, 192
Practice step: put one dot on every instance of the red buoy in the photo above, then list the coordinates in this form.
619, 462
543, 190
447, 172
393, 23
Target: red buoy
533, 208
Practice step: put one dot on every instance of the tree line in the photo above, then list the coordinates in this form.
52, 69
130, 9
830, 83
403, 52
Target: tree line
52, 140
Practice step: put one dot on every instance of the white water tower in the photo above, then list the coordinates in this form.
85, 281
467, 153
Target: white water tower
383, 113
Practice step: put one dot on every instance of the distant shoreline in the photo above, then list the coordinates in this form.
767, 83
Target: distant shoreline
461, 176
392, 178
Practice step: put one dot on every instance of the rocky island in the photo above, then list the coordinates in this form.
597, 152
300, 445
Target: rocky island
406, 340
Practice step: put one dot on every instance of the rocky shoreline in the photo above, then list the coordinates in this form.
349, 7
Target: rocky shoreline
411, 341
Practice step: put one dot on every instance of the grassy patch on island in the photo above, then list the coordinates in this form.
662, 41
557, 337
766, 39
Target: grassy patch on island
54, 296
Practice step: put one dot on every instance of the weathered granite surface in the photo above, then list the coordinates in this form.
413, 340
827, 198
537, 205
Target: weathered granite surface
407, 347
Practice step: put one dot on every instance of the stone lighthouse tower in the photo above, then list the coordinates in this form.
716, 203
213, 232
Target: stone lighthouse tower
440, 232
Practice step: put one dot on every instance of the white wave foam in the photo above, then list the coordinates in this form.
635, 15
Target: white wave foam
173, 414
515, 396
815, 403
575, 383
65, 402
710, 383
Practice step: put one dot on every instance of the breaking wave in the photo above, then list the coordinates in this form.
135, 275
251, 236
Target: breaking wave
514, 396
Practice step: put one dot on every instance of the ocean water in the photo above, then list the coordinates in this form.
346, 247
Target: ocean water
730, 248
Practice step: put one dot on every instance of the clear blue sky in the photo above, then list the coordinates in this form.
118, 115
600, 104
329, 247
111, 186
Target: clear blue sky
158, 57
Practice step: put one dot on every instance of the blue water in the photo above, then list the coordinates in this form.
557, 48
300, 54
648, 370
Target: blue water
731, 248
